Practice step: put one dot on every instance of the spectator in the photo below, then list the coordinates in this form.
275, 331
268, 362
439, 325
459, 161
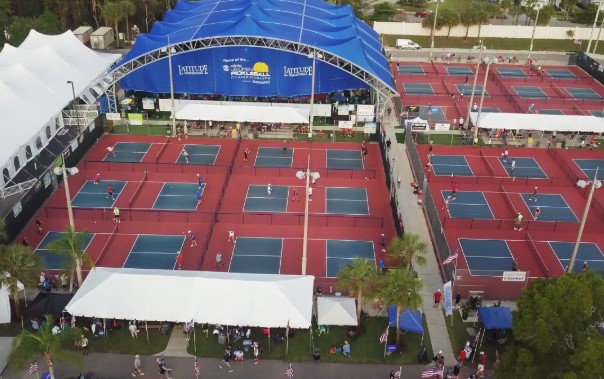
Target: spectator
437, 297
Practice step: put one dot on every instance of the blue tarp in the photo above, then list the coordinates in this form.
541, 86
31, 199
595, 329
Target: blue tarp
257, 71
410, 320
495, 317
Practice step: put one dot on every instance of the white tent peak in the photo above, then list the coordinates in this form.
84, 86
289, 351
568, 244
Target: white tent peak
336, 311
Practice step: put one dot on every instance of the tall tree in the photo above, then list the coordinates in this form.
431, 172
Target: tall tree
555, 330
448, 18
359, 279
113, 12
47, 23
130, 10
468, 17
3, 235
408, 248
18, 263
6, 12
71, 244
30, 346
402, 289
516, 11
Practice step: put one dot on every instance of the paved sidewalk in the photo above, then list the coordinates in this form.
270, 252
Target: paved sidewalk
415, 222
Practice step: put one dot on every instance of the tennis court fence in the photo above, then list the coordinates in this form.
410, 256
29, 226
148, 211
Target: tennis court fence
499, 180
503, 224
492, 287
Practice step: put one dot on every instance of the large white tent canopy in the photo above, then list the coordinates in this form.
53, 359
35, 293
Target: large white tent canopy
274, 301
336, 311
34, 90
239, 112
543, 122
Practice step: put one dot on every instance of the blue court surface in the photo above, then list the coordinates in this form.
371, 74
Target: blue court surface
467, 90
468, 204
525, 168
340, 254
588, 252
560, 73
486, 257
274, 157
553, 207
583, 93
95, 195
178, 196
257, 255
154, 252
551, 111
597, 113
344, 159
258, 200
352, 201
433, 113
53, 261
491, 109
459, 71
589, 167
418, 89
529, 92
128, 152
200, 154
511, 72
450, 165
411, 70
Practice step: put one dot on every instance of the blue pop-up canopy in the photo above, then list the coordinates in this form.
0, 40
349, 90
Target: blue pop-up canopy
410, 320
495, 317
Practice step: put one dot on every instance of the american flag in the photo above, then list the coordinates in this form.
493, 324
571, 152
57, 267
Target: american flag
397, 374
289, 372
432, 371
450, 258
197, 371
384, 336
33, 367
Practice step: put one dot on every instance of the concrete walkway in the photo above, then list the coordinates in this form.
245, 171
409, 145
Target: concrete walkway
177, 345
415, 222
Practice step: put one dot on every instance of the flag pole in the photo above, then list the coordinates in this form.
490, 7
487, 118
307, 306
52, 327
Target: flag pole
453, 288
287, 339
386, 343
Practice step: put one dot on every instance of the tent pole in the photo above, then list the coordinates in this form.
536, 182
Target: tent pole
422, 342
310, 339
105, 329
386, 343
147, 331
269, 340
194, 339
452, 289
287, 339
476, 348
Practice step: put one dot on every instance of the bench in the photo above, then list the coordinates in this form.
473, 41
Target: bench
152, 326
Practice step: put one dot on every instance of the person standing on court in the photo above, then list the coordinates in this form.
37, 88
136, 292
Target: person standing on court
295, 197
179, 260
518, 222
309, 193
513, 166
534, 195
138, 367
185, 155
383, 242
269, 190
284, 146
537, 213
39, 225
198, 196
231, 236
199, 180
110, 192
504, 156
454, 191
97, 178
116, 215
218, 260
192, 237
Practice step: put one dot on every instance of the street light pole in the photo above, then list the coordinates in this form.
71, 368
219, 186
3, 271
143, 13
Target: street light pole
484, 87
533, 35
74, 103
593, 27
67, 195
434, 29
474, 85
171, 89
599, 34
594, 184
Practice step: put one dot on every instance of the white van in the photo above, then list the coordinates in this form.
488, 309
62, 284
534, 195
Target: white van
407, 44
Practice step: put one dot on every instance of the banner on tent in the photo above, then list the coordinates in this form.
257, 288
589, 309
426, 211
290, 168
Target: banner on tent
343, 110
135, 118
148, 104
113, 116
345, 124
370, 128
448, 298
240, 71
365, 110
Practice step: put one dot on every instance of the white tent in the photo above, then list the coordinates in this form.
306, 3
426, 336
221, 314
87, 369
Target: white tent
417, 124
4, 305
6, 344
544, 122
336, 311
205, 297
34, 90
240, 112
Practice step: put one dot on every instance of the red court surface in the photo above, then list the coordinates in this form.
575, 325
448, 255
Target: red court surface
501, 92
221, 209
529, 247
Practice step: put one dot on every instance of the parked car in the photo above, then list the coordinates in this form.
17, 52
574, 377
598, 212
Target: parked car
407, 44
422, 14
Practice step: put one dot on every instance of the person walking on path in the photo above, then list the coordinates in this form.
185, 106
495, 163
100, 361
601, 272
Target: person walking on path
116, 215
534, 195
437, 297
97, 178
138, 367
192, 237
164, 371
25, 242
84, 344
198, 195
256, 353
231, 236
226, 357
398, 182
179, 260
388, 143
295, 197
185, 155
39, 225
269, 191
383, 242
110, 192
518, 222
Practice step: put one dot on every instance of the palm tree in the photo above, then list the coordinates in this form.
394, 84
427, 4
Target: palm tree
359, 279
408, 248
114, 12
402, 289
19, 264
29, 346
3, 235
70, 245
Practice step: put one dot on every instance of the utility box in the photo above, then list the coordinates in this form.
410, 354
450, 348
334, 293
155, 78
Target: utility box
102, 38
83, 34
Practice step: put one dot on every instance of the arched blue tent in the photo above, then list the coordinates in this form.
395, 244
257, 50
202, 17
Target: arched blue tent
257, 48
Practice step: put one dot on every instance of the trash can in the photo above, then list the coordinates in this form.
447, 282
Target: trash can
221, 339
316, 354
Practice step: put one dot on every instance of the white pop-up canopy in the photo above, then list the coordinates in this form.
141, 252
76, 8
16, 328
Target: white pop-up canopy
543, 122
336, 311
274, 301
240, 112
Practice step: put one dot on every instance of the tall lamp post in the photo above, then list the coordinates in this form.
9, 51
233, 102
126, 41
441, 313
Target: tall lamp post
593, 27
171, 50
434, 29
533, 35
595, 184
66, 172
484, 88
480, 46
75, 107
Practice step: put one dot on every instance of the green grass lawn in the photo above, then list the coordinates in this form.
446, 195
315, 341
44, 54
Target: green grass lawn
441, 42
443, 139
364, 349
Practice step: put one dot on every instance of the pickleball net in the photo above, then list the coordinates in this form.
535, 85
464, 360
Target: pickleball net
537, 254
138, 190
108, 243
485, 159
